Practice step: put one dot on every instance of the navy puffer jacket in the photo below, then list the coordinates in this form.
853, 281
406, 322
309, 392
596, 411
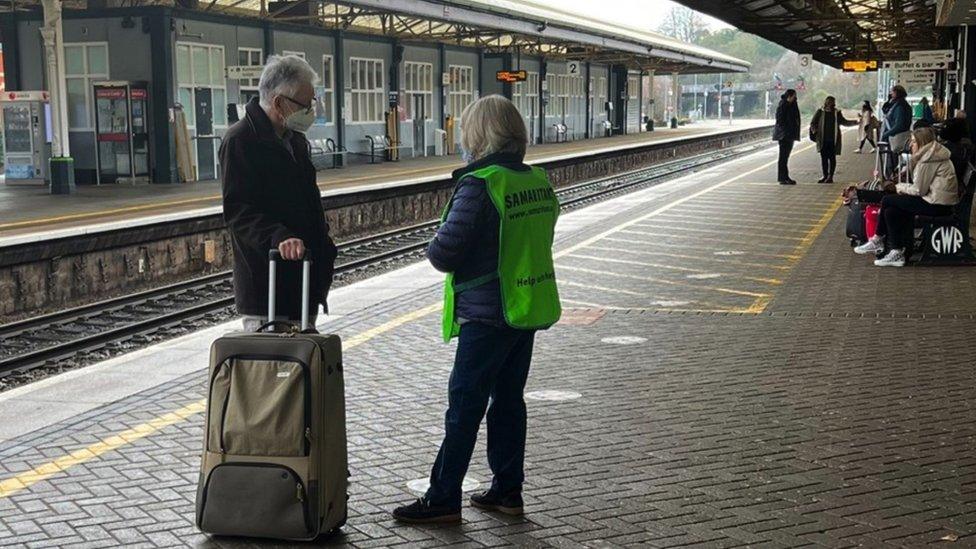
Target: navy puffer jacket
467, 242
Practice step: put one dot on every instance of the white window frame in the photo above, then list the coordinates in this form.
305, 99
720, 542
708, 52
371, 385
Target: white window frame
423, 85
250, 84
460, 92
552, 84
532, 94
599, 96
218, 128
362, 95
194, 83
328, 92
89, 79
295, 53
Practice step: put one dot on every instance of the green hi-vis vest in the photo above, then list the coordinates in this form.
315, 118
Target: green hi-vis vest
527, 208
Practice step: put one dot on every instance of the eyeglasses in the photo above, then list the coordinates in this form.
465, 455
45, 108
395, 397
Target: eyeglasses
307, 108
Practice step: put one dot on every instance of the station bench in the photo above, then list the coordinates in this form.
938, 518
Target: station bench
561, 132
946, 240
327, 148
381, 145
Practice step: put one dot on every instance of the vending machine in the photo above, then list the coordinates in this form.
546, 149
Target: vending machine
26, 136
122, 131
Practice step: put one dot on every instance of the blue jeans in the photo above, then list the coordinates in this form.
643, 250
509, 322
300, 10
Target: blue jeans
491, 363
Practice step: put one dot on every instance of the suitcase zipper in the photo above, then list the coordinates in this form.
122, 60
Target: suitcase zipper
223, 413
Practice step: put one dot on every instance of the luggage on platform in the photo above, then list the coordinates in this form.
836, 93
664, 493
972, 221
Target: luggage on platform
871, 212
855, 223
274, 459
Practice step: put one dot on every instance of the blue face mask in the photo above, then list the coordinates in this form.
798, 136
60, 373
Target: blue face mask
466, 156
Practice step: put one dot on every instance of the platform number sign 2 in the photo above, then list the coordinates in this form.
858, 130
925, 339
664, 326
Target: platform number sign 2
946, 240
573, 67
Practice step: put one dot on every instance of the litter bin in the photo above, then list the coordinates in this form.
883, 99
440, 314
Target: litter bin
649, 123
674, 122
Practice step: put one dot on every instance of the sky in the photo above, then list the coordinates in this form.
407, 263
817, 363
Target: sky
643, 14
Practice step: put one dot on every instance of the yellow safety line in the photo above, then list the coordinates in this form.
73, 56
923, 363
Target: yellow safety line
801, 249
665, 281
817, 228
12, 485
18, 483
772, 281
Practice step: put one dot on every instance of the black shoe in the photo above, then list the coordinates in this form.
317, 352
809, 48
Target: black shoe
786, 182
792, 181
422, 512
510, 504
822, 179
828, 180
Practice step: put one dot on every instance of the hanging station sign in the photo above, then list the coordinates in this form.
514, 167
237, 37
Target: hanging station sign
860, 65
511, 77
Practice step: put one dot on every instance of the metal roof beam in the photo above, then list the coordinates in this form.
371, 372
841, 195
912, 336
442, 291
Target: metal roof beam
471, 17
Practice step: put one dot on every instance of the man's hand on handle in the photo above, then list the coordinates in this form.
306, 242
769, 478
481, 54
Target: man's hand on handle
292, 249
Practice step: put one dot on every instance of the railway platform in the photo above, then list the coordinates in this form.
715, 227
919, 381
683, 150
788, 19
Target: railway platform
727, 373
31, 213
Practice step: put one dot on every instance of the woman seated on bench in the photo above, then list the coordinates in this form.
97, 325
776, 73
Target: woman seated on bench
932, 193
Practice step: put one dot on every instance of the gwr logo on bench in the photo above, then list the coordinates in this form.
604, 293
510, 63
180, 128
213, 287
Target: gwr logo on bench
946, 240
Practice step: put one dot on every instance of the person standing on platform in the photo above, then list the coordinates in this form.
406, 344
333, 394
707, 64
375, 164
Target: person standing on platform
825, 130
787, 132
867, 126
495, 243
271, 198
926, 111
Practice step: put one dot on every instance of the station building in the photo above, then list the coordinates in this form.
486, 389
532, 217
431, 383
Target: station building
399, 73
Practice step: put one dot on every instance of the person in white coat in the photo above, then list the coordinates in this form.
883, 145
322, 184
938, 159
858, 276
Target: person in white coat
933, 192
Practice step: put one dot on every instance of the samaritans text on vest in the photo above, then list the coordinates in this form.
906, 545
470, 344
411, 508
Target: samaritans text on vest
533, 280
529, 195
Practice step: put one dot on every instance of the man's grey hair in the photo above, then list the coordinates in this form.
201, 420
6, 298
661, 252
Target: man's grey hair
283, 75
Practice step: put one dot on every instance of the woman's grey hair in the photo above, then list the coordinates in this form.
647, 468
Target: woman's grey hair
493, 124
283, 75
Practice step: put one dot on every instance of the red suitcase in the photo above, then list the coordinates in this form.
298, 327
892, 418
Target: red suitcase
871, 213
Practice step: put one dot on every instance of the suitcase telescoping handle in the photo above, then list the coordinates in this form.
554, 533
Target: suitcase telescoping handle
273, 257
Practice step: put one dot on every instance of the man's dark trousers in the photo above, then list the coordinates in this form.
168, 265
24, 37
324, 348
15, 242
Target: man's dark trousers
785, 149
491, 362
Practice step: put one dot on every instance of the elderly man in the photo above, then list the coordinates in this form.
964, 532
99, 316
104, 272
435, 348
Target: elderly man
271, 199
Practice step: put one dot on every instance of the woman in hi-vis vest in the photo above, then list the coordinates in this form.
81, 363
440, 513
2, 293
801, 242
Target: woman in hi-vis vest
495, 244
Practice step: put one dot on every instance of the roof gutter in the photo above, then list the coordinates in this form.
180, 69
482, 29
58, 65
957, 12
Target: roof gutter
457, 14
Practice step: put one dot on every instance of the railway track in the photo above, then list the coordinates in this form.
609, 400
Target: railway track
92, 332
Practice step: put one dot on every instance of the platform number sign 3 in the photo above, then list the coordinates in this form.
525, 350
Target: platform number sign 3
805, 60
946, 240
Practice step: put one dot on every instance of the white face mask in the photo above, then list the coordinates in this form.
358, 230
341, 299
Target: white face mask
301, 120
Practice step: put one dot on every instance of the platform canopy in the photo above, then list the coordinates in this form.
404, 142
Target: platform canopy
514, 26
836, 30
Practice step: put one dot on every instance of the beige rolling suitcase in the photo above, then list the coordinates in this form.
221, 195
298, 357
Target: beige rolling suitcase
274, 459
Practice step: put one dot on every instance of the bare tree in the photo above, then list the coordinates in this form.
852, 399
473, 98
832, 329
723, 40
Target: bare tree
685, 24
